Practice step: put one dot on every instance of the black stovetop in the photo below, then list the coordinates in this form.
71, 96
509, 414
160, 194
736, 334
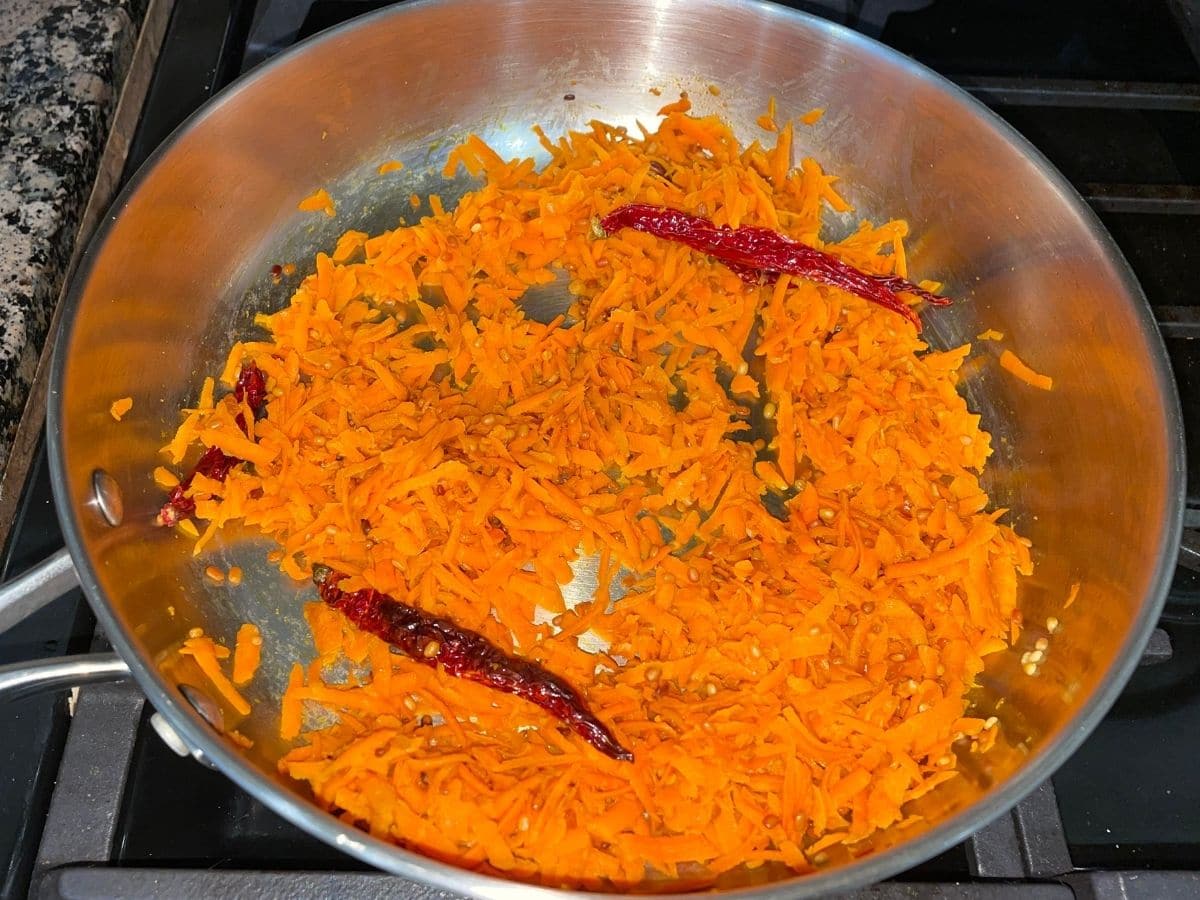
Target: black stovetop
1110, 91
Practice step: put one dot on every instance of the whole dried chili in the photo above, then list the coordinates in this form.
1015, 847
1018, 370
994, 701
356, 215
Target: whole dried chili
467, 654
754, 252
251, 387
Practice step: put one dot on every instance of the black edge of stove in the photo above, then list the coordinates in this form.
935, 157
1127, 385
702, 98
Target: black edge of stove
205, 37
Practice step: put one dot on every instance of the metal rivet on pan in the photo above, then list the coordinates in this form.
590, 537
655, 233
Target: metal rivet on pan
169, 735
209, 711
106, 497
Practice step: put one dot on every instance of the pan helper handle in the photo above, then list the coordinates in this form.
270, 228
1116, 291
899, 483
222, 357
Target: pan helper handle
26, 594
30, 591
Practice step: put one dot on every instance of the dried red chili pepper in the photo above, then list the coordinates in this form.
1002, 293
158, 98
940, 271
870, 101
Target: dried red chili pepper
251, 387
467, 654
753, 252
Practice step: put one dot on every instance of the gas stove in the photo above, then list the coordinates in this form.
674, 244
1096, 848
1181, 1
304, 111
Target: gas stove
96, 805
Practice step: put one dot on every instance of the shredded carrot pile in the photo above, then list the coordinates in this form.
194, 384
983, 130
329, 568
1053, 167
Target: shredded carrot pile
789, 674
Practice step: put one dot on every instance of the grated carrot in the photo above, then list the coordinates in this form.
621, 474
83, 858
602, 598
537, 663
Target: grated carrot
207, 654
318, 201
682, 105
120, 407
990, 335
165, 478
788, 685
767, 120
247, 652
813, 116
1071, 595
392, 165
1010, 362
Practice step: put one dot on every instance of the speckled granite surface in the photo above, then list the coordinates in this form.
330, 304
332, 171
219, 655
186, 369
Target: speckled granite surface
61, 69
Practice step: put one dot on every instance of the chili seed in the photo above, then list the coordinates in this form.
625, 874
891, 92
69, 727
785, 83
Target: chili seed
432, 649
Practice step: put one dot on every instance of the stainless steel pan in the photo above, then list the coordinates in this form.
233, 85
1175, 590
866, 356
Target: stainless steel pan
1093, 471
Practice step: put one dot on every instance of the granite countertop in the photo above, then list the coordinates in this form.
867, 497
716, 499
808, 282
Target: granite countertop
62, 66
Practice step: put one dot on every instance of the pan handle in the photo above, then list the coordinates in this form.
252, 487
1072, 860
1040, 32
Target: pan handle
25, 678
30, 591
26, 594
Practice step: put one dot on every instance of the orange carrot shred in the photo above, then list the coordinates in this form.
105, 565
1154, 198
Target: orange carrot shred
120, 407
247, 652
205, 653
318, 201
1010, 362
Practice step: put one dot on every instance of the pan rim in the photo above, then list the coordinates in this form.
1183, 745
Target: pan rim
411, 864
